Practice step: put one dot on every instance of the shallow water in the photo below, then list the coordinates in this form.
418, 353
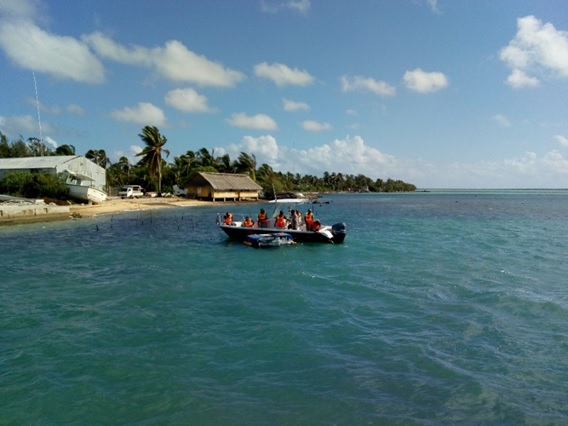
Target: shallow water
441, 307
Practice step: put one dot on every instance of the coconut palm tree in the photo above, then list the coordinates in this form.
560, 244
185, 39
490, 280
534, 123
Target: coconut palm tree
247, 163
152, 153
98, 156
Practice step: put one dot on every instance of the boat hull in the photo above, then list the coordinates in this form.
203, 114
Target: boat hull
86, 193
329, 234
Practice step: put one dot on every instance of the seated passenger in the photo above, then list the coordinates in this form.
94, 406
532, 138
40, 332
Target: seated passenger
228, 219
316, 225
248, 222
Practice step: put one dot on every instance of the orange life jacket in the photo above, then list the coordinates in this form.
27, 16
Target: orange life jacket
228, 219
280, 222
309, 217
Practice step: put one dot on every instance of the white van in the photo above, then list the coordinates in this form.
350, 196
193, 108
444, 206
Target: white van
131, 191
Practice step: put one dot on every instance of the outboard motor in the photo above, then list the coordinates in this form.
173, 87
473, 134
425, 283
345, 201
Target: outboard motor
339, 228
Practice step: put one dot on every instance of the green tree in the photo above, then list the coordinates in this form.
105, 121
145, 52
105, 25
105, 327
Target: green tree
98, 156
247, 163
65, 150
152, 153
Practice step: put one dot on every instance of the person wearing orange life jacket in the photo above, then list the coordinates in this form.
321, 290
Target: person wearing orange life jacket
280, 221
228, 219
248, 222
262, 219
309, 219
316, 225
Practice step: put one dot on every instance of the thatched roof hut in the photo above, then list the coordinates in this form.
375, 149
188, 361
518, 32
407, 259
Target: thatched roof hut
223, 186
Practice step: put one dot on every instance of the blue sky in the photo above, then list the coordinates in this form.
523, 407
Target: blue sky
439, 93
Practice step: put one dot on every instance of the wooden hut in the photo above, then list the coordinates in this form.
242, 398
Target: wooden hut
223, 186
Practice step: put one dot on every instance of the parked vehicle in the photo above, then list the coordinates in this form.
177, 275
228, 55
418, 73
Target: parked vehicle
131, 191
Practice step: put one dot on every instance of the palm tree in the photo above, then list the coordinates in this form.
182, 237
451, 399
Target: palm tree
152, 153
65, 150
247, 163
98, 156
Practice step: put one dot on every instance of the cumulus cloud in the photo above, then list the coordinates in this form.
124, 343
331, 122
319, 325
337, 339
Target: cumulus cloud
366, 84
258, 121
32, 48
292, 106
144, 113
283, 75
349, 156
187, 100
562, 140
172, 61
315, 126
538, 50
424, 82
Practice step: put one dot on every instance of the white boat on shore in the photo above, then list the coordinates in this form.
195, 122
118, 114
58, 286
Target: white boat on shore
80, 188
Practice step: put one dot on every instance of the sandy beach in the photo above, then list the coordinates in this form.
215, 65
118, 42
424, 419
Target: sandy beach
118, 205
113, 205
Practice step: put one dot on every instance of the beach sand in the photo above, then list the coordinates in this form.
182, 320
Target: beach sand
113, 205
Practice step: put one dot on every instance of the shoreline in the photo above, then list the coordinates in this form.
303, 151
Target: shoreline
110, 206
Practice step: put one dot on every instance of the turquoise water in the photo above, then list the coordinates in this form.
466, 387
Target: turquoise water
440, 308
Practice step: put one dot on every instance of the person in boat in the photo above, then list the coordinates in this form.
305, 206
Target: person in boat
316, 225
293, 220
299, 219
228, 219
263, 219
309, 219
248, 222
280, 221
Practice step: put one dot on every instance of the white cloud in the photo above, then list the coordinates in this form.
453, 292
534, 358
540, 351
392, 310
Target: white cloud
366, 84
315, 126
282, 75
538, 50
300, 6
187, 100
172, 61
258, 121
32, 48
518, 79
353, 156
50, 141
292, 106
349, 156
424, 82
502, 120
562, 140
24, 125
144, 113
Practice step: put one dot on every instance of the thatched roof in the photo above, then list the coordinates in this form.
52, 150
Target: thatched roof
226, 182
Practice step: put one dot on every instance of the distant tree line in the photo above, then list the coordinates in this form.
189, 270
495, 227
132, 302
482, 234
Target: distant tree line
152, 171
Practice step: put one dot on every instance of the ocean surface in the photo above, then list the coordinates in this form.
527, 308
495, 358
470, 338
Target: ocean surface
443, 307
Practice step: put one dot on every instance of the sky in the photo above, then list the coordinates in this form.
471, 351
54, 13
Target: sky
438, 93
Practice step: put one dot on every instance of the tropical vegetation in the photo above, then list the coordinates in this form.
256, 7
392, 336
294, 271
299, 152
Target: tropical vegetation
153, 172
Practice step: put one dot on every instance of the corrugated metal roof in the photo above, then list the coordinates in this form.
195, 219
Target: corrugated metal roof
230, 182
35, 162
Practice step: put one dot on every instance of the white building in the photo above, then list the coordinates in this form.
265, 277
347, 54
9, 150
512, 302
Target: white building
74, 165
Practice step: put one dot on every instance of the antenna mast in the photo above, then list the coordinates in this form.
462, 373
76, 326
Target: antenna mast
37, 106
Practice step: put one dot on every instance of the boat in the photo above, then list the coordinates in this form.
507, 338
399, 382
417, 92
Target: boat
80, 188
290, 197
334, 234
269, 240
